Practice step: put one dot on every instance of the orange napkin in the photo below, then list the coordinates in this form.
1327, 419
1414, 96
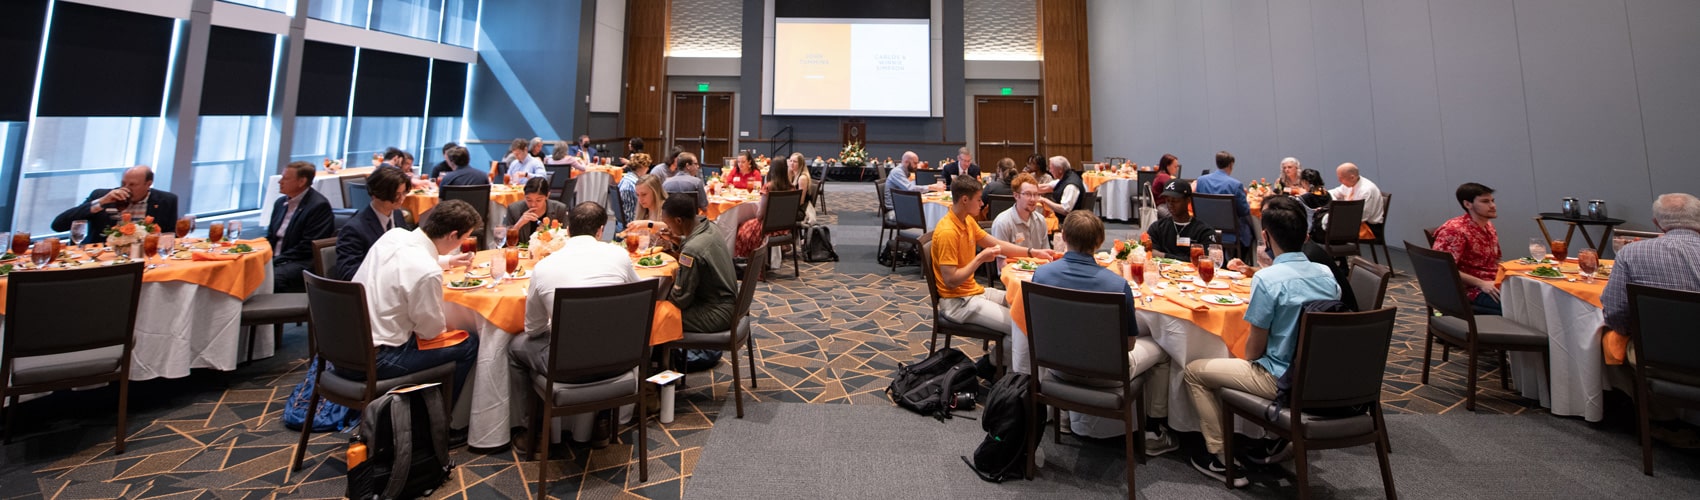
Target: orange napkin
449, 338
1615, 345
1194, 305
205, 256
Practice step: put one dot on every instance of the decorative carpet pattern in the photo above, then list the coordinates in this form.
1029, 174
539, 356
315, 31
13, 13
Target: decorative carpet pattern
828, 338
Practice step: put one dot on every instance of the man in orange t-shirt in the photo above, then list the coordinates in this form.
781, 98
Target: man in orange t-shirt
961, 299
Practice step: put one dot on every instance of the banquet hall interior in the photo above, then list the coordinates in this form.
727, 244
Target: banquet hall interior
1498, 184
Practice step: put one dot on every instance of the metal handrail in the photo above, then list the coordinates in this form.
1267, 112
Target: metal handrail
788, 145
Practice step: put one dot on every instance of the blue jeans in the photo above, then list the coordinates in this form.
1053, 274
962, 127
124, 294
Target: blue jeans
1485, 304
395, 361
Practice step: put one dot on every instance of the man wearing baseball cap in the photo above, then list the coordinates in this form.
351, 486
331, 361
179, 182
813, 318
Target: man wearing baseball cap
1174, 234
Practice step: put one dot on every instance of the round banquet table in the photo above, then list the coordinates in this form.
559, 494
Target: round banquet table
1115, 195
1570, 314
495, 315
593, 184
1186, 329
189, 316
729, 212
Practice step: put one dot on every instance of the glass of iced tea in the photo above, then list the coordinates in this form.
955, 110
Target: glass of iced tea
631, 243
1559, 250
215, 232
468, 245
1206, 270
20, 242
1588, 261
513, 236
1197, 254
185, 224
1136, 269
510, 255
150, 244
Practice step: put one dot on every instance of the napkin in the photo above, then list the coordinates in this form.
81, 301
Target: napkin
205, 256
449, 338
1194, 305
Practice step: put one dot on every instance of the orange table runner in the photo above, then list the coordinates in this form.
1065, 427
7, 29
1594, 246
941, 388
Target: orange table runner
1095, 180
1227, 322
1588, 292
504, 305
615, 172
419, 202
239, 277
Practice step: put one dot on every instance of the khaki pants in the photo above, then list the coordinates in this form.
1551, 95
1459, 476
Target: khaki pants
987, 309
1205, 375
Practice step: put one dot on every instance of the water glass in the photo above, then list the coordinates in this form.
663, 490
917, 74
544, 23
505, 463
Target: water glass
79, 229
233, 231
167, 245
1537, 248
5, 243
1216, 255
499, 229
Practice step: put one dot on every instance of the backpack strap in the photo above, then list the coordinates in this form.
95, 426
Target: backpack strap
439, 427
401, 437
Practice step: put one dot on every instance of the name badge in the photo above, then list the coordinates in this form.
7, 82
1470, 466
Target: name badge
1183, 241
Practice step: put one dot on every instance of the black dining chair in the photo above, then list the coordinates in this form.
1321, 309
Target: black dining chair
479, 197
354, 193
1457, 325
1380, 238
1666, 371
1217, 211
738, 336
910, 219
1339, 363
1078, 348
559, 175
37, 326
1369, 283
928, 176
888, 222
339, 332
598, 359
1341, 235
779, 214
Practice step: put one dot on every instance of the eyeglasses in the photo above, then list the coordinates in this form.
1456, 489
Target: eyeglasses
1029, 194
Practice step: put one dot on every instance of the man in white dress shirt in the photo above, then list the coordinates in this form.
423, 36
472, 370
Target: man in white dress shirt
582, 261
404, 293
524, 165
1354, 187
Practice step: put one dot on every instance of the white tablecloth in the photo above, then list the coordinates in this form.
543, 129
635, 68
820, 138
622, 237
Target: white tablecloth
329, 185
935, 212
181, 326
593, 186
732, 217
1186, 342
1572, 325
492, 413
1115, 198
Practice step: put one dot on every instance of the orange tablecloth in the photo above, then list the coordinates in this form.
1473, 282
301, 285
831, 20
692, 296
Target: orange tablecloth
1588, 292
500, 194
504, 305
1227, 322
721, 204
1095, 180
616, 172
238, 278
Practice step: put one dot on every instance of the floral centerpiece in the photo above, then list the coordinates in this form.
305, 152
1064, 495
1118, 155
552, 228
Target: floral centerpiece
548, 238
127, 233
853, 155
1257, 191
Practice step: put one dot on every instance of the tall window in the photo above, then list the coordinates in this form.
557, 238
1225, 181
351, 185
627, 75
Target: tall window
389, 103
230, 165
349, 12
414, 18
277, 5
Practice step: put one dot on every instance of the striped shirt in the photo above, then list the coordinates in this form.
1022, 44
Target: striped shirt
1671, 261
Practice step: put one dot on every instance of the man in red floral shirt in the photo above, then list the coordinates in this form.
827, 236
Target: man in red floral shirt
1474, 243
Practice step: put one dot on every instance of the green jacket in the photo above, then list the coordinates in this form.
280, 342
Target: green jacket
706, 277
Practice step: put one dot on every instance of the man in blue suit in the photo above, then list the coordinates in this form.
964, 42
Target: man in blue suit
1222, 182
388, 187
136, 196
300, 216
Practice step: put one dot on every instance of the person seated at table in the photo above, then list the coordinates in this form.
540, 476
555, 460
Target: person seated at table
1174, 234
706, 286
135, 196
536, 205
523, 166
646, 213
1078, 270
463, 173
1354, 187
583, 149
898, 179
1278, 295
964, 164
1022, 223
392, 158
1222, 181
1314, 195
961, 298
750, 235
799, 170
1036, 167
404, 293
300, 216
1066, 193
627, 187
443, 167
688, 179
533, 148
1168, 168
582, 261
1290, 176
388, 187
1664, 262
1474, 243
560, 157
744, 174
666, 169
1002, 179
633, 146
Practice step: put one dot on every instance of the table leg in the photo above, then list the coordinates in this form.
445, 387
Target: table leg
1542, 223
1589, 239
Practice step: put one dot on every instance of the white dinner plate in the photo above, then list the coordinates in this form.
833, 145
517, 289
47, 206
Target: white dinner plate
1222, 300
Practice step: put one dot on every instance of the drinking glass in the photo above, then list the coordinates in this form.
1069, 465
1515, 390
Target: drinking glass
498, 267
631, 243
1136, 268
20, 242
167, 244
1537, 248
185, 224
499, 229
150, 244
510, 256
215, 232
233, 230
1197, 254
513, 235
1215, 252
1206, 271
1588, 261
41, 253
79, 229
1559, 250
468, 244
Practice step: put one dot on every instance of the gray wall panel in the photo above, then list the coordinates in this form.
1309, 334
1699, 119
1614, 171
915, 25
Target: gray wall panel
1409, 151
1342, 65
1251, 122
1220, 82
1297, 110
1667, 65
1579, 77
1116, 77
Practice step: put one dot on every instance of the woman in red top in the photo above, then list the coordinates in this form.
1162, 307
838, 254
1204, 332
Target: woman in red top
1474, 244
1167, 168
745, 175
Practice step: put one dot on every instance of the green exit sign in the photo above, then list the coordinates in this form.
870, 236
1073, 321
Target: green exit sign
702, 86
1007, 91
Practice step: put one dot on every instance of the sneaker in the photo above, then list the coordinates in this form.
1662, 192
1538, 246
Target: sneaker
1213, 468
1271, 452
1159, 442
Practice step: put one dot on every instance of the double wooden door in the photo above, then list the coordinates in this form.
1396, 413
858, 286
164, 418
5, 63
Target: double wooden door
702, 125
1005, 127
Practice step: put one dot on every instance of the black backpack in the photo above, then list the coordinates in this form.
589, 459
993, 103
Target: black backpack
927, 387
1003, 454
817, 247
1284, 384
904, 252
405, 434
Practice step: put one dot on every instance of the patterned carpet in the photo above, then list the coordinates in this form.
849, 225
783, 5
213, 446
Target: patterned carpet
827, 338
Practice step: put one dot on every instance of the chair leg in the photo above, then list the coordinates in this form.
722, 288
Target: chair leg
643, 434
1445, 352
1470, 391
277, 339
1381, 451
1134, 454
542, 451
1428, 354
750, 348
1301, 467
10, 402
1504, 371
306, 430
1139, 424
737, 389
253, 330
1381, 423
796, 269
123, 413
1227, 418
1643, 419
1056, 419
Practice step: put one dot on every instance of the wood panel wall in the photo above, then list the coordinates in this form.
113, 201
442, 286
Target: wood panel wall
646, 71
1065, 80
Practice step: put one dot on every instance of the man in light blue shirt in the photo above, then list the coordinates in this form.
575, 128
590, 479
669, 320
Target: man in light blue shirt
1222, 182
898, 179
524, 166
1278, 295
